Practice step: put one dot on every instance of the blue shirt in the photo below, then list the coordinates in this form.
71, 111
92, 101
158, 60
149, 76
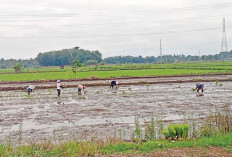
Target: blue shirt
200, 86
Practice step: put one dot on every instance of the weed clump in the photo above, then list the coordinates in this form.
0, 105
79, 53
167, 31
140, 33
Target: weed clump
219, 123
150, 129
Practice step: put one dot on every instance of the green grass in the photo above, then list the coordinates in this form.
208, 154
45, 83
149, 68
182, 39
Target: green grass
79, 148
108, 71
224, 141
104, 74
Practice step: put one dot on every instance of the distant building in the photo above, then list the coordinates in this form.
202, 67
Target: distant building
62, 67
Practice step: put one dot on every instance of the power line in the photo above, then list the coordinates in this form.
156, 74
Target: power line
107, 13
122, 35
119, 23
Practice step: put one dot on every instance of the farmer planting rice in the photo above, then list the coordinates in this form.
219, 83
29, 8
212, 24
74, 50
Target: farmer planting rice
58, 87
113, 84
81, 89
30, 88
199, 86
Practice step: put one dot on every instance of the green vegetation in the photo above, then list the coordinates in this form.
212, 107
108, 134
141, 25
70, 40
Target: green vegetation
216, 132
65, 56
177, 131
109, 71
87, 57
149, 146
75, 64
18, 67
113, 146
168, 58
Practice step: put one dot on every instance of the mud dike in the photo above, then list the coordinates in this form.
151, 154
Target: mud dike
91, 82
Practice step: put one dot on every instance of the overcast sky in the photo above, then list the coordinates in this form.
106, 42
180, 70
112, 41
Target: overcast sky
114, 27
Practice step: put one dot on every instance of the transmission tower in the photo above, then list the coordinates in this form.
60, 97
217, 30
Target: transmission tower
161, 49
224, 43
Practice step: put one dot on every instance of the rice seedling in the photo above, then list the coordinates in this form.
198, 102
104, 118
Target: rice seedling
177, 131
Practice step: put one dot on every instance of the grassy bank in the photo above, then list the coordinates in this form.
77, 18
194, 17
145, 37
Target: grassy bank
91, 148
109, 71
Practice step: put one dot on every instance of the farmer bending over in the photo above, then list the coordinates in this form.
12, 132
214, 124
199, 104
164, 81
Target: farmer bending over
58, 87
80, 89
199, 86
113, 84
30, 89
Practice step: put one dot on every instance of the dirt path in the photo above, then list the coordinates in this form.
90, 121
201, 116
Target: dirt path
184, 152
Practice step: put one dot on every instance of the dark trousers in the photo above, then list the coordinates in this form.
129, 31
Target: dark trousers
200, 89
29, 91
58, 90
79, 91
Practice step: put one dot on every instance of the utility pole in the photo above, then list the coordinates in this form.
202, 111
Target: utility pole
161, 49
224, 43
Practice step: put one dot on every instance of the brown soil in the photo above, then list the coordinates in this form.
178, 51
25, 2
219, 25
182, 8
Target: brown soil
184, 152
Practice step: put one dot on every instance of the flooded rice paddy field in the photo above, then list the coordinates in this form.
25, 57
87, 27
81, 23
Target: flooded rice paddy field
43, 116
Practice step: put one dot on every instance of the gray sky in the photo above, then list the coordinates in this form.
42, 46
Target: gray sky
114, 27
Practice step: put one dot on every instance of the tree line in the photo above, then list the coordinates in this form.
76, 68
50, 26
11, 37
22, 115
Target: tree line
11, 63
66, 56
56, 58
222, 56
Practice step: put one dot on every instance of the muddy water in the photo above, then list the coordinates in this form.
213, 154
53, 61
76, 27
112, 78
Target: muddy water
107, 82
43, 116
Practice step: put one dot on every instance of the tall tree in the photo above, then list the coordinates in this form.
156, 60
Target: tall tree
75, 64
18, 67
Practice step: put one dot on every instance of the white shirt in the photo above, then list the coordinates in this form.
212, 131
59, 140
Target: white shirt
58, 86
31, 87
80, 87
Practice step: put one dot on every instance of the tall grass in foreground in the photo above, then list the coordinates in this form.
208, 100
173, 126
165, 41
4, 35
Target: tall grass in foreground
217, 123
216, 131
92, 148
